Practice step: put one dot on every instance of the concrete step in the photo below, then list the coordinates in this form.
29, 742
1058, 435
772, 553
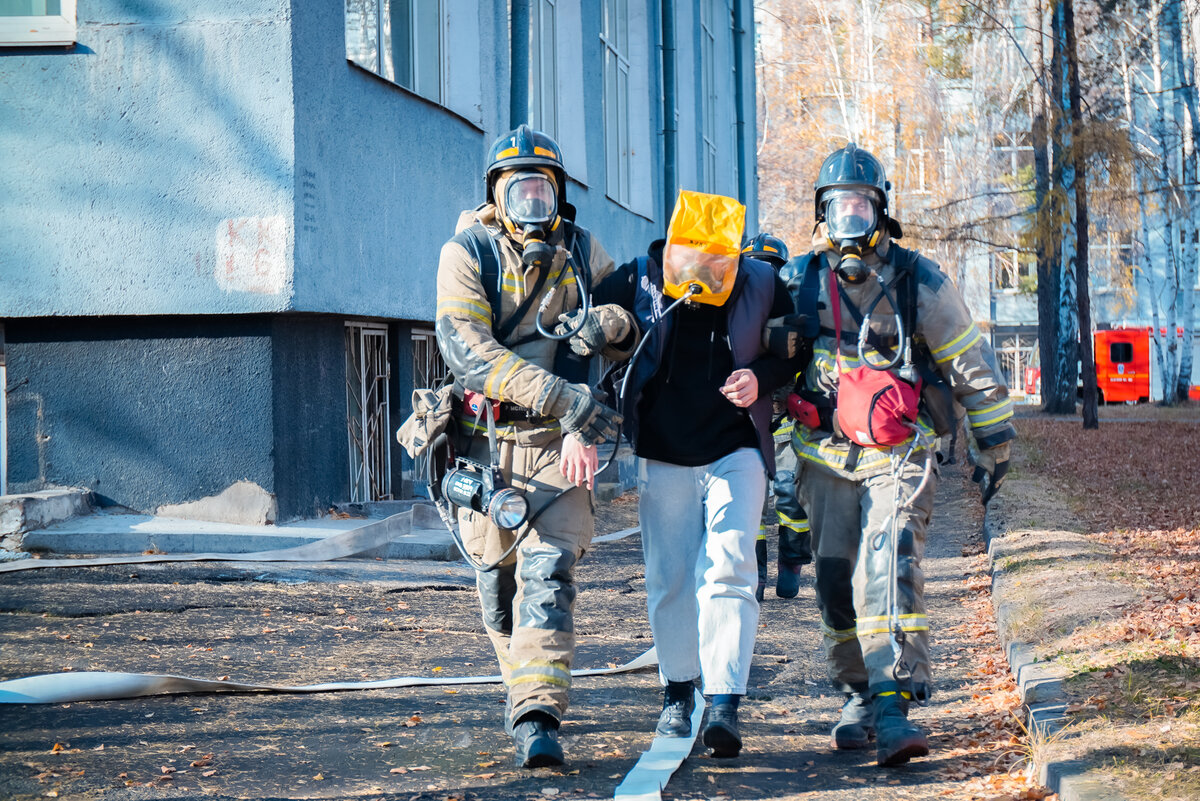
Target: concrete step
105, 533
20, 514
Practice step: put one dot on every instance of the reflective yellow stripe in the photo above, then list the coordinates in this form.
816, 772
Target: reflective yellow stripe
786, 428
467, 306
800, 524
991, 415
504, 381
886, 630
488, 389
838, 635
971, 335
762, 535
539, 678
916, 622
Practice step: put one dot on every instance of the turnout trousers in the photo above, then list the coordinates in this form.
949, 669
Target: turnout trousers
851, 569
795, 545
528, 601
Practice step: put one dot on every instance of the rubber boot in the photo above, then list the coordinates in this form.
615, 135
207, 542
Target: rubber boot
535, 739
760, 553
679, 701
721, 733
857, 724
896, 740
787, 585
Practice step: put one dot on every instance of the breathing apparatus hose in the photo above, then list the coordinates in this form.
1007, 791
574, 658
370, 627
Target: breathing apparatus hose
903, 350
585, 300
889, 532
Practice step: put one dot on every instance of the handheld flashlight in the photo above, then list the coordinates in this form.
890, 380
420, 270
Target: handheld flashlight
474, 486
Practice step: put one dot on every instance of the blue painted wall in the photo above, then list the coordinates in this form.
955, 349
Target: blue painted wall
143, 411
148, 170
381, 175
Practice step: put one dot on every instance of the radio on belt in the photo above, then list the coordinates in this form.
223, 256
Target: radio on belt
474, 486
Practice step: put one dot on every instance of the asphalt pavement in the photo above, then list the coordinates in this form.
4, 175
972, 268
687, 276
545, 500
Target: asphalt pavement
355, 620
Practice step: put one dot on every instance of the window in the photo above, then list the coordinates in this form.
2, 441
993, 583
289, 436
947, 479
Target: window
37, 22
367, 376
1120, 352
1014, 270
708, 69
399, 40
614, 33
543, 60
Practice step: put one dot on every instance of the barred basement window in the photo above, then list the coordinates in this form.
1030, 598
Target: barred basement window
367, 374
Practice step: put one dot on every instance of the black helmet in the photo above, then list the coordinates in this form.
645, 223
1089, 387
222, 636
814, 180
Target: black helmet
850, 168
767, 248
525, 147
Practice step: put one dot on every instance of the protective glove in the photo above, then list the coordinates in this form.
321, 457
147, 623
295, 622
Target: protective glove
604, 325
581, 413
990, 469
787, 337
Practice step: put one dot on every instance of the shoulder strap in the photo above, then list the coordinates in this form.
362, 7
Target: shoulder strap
581, 251
483, 248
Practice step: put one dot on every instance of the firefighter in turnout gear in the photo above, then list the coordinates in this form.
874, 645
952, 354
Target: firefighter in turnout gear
795, 549
869, 507
515, 330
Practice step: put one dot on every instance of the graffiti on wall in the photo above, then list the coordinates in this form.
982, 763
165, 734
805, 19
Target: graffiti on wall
252, 255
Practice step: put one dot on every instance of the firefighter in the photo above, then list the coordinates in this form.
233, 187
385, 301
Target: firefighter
850, 491
520, 247
795, 550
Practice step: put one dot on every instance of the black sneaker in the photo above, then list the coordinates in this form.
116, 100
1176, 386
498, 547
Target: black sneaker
535, 739
721, 733
676, 717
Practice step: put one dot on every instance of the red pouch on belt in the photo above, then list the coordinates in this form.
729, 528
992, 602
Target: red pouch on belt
473, 402
803, 412
876, 408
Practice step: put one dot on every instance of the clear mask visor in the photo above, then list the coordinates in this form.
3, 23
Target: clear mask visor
850, 214
530, 199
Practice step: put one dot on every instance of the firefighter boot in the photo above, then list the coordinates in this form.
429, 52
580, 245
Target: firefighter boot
857, 724
896, 740
760, 553
787, 585
679, 701
721, 733
535, 738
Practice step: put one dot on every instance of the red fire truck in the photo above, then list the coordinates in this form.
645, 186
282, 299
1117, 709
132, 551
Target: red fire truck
1124, 367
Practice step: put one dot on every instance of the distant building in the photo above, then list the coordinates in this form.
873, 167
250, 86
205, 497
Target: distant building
219, 223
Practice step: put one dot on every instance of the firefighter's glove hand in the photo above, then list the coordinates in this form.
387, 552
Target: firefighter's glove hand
580, 413
990, 469
786, 338
604, 325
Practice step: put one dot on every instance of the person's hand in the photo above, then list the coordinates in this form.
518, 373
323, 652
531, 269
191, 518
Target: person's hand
603, 325
580, 413
741, 388
579, 461
990, 469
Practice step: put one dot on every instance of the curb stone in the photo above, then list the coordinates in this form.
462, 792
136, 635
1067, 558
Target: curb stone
1042, 694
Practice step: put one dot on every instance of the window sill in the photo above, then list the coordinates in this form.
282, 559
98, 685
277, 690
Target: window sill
478, 126
37, 31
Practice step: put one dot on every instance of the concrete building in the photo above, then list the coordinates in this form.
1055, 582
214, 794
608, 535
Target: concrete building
220, 221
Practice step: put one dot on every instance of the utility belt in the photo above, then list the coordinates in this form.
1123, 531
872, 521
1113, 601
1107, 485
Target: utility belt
503, 412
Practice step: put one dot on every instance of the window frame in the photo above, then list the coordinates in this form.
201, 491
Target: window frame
41, 30
618, 167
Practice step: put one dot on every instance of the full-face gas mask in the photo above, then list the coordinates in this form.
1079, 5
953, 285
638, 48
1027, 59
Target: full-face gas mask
852, 220
530, 204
